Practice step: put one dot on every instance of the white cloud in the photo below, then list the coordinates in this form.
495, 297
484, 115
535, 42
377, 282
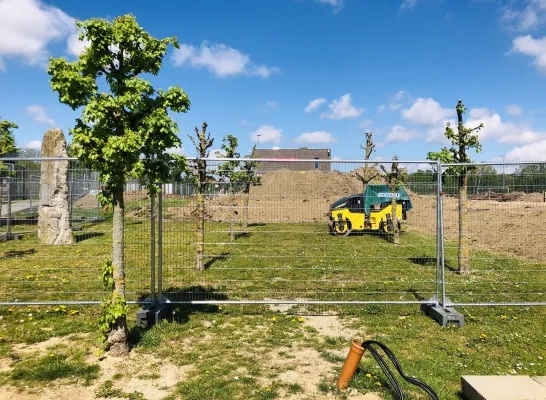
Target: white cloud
495, 129
220, 59
535, 48
39, 114
336, 158
314, 104
28, 27
436, 134
244, 123
336, 4
498, 130
342, 108
527, 18
75, 46
380, 108
266, 134
530, 152
366, 123
397, 99
400, 95
407, 4
176, 150
399, 133
33, 144
275, 148
423, 167
316, 137
271, 104
426, 112
514, 110
216, 153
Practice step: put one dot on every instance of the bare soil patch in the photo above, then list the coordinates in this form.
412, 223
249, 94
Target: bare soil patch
506, 227
156, 378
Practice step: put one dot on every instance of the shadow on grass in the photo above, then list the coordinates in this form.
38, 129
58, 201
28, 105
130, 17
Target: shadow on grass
16, 253
429, 261
256, 224
371, 233
416, 294
87, 235
423, 260
180, 313
240, 235
222, 256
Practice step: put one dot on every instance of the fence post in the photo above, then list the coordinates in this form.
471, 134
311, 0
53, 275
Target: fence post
438, 231
152, 249
8, 216
160, 247
441, 234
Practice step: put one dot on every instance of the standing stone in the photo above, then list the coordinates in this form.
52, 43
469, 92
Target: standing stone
53, 213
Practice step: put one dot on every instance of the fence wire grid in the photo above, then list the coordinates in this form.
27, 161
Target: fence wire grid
269, 242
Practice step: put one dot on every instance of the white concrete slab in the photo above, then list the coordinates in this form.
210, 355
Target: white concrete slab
513, 387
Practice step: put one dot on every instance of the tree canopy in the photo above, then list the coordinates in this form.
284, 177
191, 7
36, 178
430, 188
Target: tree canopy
126, 129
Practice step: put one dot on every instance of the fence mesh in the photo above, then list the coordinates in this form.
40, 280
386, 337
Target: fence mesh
506, 252
272, 242
31, 271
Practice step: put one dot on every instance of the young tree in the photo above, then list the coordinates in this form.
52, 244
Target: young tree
461, 142
395, 177
200, 176
250, 178
368, 173
7, 146
123, 131
230, 173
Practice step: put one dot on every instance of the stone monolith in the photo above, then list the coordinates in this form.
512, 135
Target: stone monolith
53, 212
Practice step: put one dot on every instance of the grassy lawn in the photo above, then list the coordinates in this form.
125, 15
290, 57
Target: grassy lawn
254, 351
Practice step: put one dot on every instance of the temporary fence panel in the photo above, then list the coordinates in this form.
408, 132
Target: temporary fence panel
33, 272
502, 227
270, 242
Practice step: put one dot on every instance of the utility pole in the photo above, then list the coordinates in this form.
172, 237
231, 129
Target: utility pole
258, 135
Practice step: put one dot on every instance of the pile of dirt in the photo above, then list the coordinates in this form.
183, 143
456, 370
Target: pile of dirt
87, 201
514, 196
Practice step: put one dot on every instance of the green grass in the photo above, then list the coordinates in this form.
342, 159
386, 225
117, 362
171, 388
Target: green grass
38, 369
234, 351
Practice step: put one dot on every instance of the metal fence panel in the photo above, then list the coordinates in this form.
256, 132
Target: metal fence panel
281, 249
271, 243
39, 273
505, 218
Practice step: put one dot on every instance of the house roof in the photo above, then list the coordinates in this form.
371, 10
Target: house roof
302, 153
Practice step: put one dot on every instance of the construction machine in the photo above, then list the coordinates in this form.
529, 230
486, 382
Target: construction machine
368, 211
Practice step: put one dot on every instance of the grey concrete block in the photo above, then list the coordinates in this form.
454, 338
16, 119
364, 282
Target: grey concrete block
514, 387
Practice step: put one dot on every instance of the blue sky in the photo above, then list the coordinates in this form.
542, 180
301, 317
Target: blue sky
311, 73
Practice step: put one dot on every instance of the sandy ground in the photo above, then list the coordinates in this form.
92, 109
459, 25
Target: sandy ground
305, 367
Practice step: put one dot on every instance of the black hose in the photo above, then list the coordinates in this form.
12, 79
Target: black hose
390, 377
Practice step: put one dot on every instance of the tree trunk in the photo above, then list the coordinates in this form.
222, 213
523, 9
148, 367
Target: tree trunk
1, 195
245, 206
118, 337
232, 215
464, 250
394, 217
200, 232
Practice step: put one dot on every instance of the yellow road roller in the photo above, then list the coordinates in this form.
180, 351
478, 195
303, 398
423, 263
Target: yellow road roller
368, 211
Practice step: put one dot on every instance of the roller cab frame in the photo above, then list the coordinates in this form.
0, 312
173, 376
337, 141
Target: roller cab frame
368, 211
